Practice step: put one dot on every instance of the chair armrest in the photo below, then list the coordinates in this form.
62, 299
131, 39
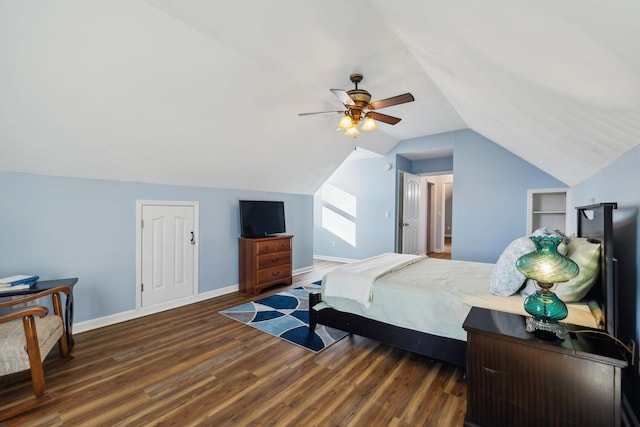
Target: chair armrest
34, 310
30, 297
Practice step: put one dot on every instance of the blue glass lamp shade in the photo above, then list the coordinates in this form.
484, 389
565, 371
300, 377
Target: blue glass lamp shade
546, 266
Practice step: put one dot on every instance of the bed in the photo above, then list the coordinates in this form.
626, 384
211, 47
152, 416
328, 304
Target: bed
419, 303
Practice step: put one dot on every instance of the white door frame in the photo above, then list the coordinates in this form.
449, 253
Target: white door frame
430, 216
196, 257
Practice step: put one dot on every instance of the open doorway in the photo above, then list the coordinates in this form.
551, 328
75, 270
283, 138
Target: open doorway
448, 214
439, 206
433, 234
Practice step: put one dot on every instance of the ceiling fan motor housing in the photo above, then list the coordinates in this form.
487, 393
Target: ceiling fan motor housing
361, 97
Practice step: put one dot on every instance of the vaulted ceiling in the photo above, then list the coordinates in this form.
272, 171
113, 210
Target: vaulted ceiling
195, 92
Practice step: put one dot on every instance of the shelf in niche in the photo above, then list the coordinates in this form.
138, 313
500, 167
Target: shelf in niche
549, 212
548, 207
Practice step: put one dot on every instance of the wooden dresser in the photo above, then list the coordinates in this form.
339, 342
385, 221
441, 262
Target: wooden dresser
516, 379
264, 262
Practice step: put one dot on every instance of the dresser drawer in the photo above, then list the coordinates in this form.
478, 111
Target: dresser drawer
274, 259
271, 246
282, 272
265, 262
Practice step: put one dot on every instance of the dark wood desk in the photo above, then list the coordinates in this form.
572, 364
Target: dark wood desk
42, 285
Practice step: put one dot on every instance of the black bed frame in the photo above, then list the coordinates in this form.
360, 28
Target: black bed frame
594, 222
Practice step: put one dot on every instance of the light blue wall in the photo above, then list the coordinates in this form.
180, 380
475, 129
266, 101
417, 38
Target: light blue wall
489, 198
372, 185
403, 164
66, 227
427, 166
619, 183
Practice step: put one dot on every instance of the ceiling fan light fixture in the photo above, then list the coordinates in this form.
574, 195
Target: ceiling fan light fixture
359, 108
352, 131
345, 123
369, 124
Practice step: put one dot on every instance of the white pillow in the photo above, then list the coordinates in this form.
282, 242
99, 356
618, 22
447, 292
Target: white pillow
587, 256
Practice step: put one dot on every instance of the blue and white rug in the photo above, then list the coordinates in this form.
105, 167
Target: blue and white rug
286, 315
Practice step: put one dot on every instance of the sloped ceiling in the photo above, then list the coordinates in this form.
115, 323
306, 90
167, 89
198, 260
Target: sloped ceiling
195, 92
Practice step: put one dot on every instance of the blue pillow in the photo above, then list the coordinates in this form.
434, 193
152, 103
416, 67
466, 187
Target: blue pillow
505, 277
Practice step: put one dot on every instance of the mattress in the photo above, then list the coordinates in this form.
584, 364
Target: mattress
435, 295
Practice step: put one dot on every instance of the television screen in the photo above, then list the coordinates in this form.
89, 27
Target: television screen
259, 218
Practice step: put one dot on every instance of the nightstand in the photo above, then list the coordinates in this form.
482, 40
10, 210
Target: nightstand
517, 379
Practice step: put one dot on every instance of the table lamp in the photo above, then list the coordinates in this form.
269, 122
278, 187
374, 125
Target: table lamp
547, 267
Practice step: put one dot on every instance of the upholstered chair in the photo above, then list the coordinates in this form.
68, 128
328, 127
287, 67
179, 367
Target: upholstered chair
28, 334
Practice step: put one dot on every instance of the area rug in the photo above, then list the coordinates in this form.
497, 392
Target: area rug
286, 315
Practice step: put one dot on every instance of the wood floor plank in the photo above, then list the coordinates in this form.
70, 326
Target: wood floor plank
192, 366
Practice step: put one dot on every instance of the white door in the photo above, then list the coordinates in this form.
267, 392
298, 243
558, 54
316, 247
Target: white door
411, 213
168, 248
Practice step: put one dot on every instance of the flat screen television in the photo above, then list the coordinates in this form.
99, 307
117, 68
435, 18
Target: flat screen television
260, 218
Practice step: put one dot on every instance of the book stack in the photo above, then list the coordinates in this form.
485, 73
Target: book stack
15, 283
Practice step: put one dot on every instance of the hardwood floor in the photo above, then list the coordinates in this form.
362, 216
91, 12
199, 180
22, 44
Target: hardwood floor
446, 254
191, 366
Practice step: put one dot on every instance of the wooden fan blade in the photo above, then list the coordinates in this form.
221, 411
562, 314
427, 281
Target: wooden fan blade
321, 112
394, 100
383, 118
343, 96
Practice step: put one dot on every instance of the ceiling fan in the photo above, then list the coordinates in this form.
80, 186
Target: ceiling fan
358, 108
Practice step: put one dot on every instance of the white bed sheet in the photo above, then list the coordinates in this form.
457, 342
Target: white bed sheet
435, 296
362, 275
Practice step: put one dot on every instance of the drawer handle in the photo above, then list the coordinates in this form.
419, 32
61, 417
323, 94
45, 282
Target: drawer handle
275, 273
275, 260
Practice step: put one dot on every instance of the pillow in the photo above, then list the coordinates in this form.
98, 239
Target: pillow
529, 288
587, 256
596, 310
505, 277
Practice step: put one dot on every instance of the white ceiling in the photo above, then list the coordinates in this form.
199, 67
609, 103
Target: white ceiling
195, 92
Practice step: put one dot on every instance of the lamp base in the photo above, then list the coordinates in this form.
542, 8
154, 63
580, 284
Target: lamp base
546, 330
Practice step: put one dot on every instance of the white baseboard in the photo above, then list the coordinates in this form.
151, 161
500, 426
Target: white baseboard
112, 319
302, 270
335, 259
